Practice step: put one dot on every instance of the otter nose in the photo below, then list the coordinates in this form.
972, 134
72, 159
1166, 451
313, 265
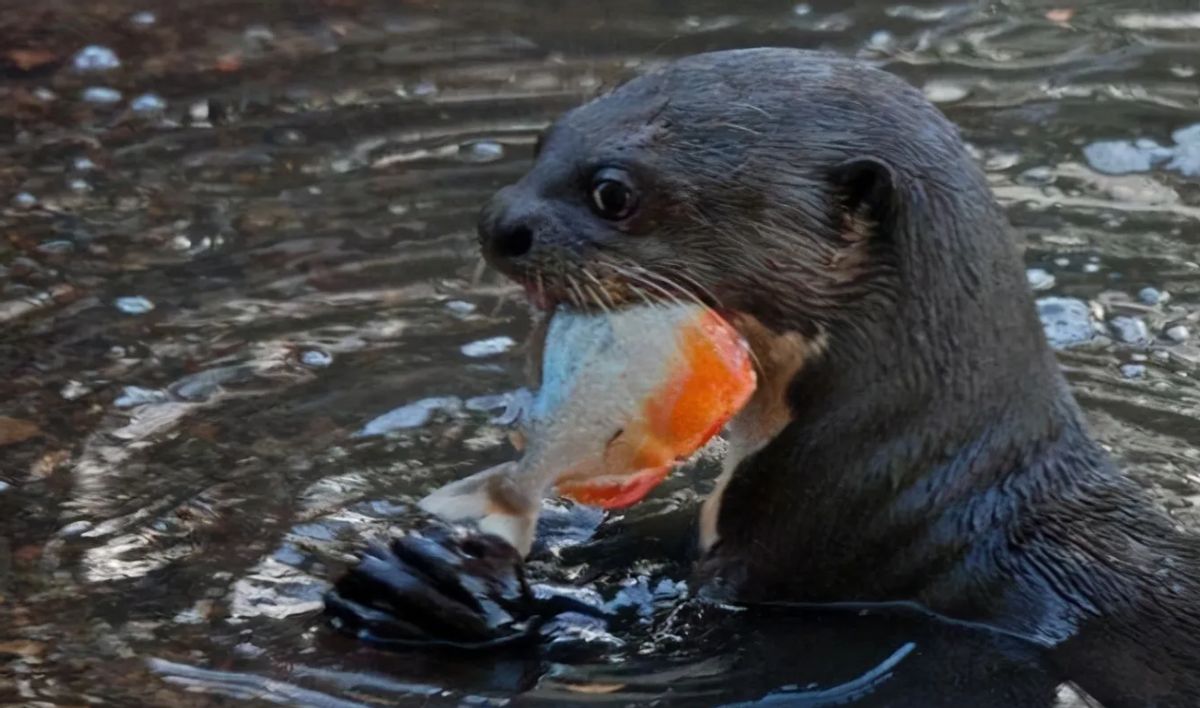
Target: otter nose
506, 230
511, 239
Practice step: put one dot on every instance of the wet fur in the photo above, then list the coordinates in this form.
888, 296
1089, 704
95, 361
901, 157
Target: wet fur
933, 451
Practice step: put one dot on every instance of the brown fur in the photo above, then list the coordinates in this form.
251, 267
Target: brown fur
778, 358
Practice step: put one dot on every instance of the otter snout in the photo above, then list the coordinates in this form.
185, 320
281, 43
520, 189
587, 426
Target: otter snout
507, 230
524, 231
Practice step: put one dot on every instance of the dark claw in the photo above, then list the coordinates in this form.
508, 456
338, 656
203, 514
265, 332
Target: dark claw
444, 589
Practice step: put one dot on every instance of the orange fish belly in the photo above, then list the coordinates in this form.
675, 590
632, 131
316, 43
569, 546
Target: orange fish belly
712, 381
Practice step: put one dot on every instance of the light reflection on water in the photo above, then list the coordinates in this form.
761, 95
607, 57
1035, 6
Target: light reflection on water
205, 301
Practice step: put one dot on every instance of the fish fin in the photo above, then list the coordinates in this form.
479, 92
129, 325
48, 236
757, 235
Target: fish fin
493, 490
490, 500
517, 529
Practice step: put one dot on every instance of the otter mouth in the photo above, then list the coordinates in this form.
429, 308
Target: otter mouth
607, 290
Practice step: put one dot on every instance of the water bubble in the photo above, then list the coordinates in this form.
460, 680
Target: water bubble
79, 185
514, 405
1118, 157
259, 35
83, 164
1039, 175
945, 92
1187, 134
198, 111
136, 305
1091, 267
314, 357
74, 529
203, 384
138, 396
56, 246
881, 40
1150, 296
1065, 320
488, 347
96, 58
1186, 160
802, 9
482, 151
24, 200
144, 18
289, 136
1039, 279
101, 94
1178, 334
74, 390
460, 307
45, 94
148, 103
4, 486
425, 89
1133, 371
413, 415
1129, 329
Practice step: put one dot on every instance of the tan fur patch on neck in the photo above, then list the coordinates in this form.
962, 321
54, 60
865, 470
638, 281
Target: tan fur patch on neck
779, 357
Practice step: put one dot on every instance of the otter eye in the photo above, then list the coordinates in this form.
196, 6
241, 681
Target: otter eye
612, 196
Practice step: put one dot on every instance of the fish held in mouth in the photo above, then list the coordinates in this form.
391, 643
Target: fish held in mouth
624, 397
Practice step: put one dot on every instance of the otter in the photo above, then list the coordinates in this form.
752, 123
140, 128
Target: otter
913, 438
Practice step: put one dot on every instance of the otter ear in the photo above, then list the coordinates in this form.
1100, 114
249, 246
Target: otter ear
868, 188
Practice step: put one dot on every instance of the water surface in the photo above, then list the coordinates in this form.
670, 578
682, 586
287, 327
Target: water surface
236, 234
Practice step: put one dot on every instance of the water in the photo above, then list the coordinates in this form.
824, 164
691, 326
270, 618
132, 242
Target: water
207, 293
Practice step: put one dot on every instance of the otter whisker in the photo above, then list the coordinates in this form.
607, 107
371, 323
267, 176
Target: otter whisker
674, 287
680, 273
501, 301
664, 285
574, 286
596, 300
600, 289
541, 286
662, 291
645, 298
638, 277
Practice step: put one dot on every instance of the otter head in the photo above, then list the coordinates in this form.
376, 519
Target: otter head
752, 181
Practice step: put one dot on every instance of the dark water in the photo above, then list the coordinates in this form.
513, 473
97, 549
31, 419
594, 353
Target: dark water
214, 282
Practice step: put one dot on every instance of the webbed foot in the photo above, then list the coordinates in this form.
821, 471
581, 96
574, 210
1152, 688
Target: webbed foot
443, 587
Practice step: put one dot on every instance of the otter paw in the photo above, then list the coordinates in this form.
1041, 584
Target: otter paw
441, 586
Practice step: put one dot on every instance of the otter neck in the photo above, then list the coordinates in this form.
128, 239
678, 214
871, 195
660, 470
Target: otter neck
940, 389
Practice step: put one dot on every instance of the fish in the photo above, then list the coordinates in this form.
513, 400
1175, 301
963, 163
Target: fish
624, 397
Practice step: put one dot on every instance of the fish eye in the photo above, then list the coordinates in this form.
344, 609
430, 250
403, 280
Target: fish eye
612, 194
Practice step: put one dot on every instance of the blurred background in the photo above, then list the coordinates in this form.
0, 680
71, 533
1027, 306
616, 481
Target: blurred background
244, 324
